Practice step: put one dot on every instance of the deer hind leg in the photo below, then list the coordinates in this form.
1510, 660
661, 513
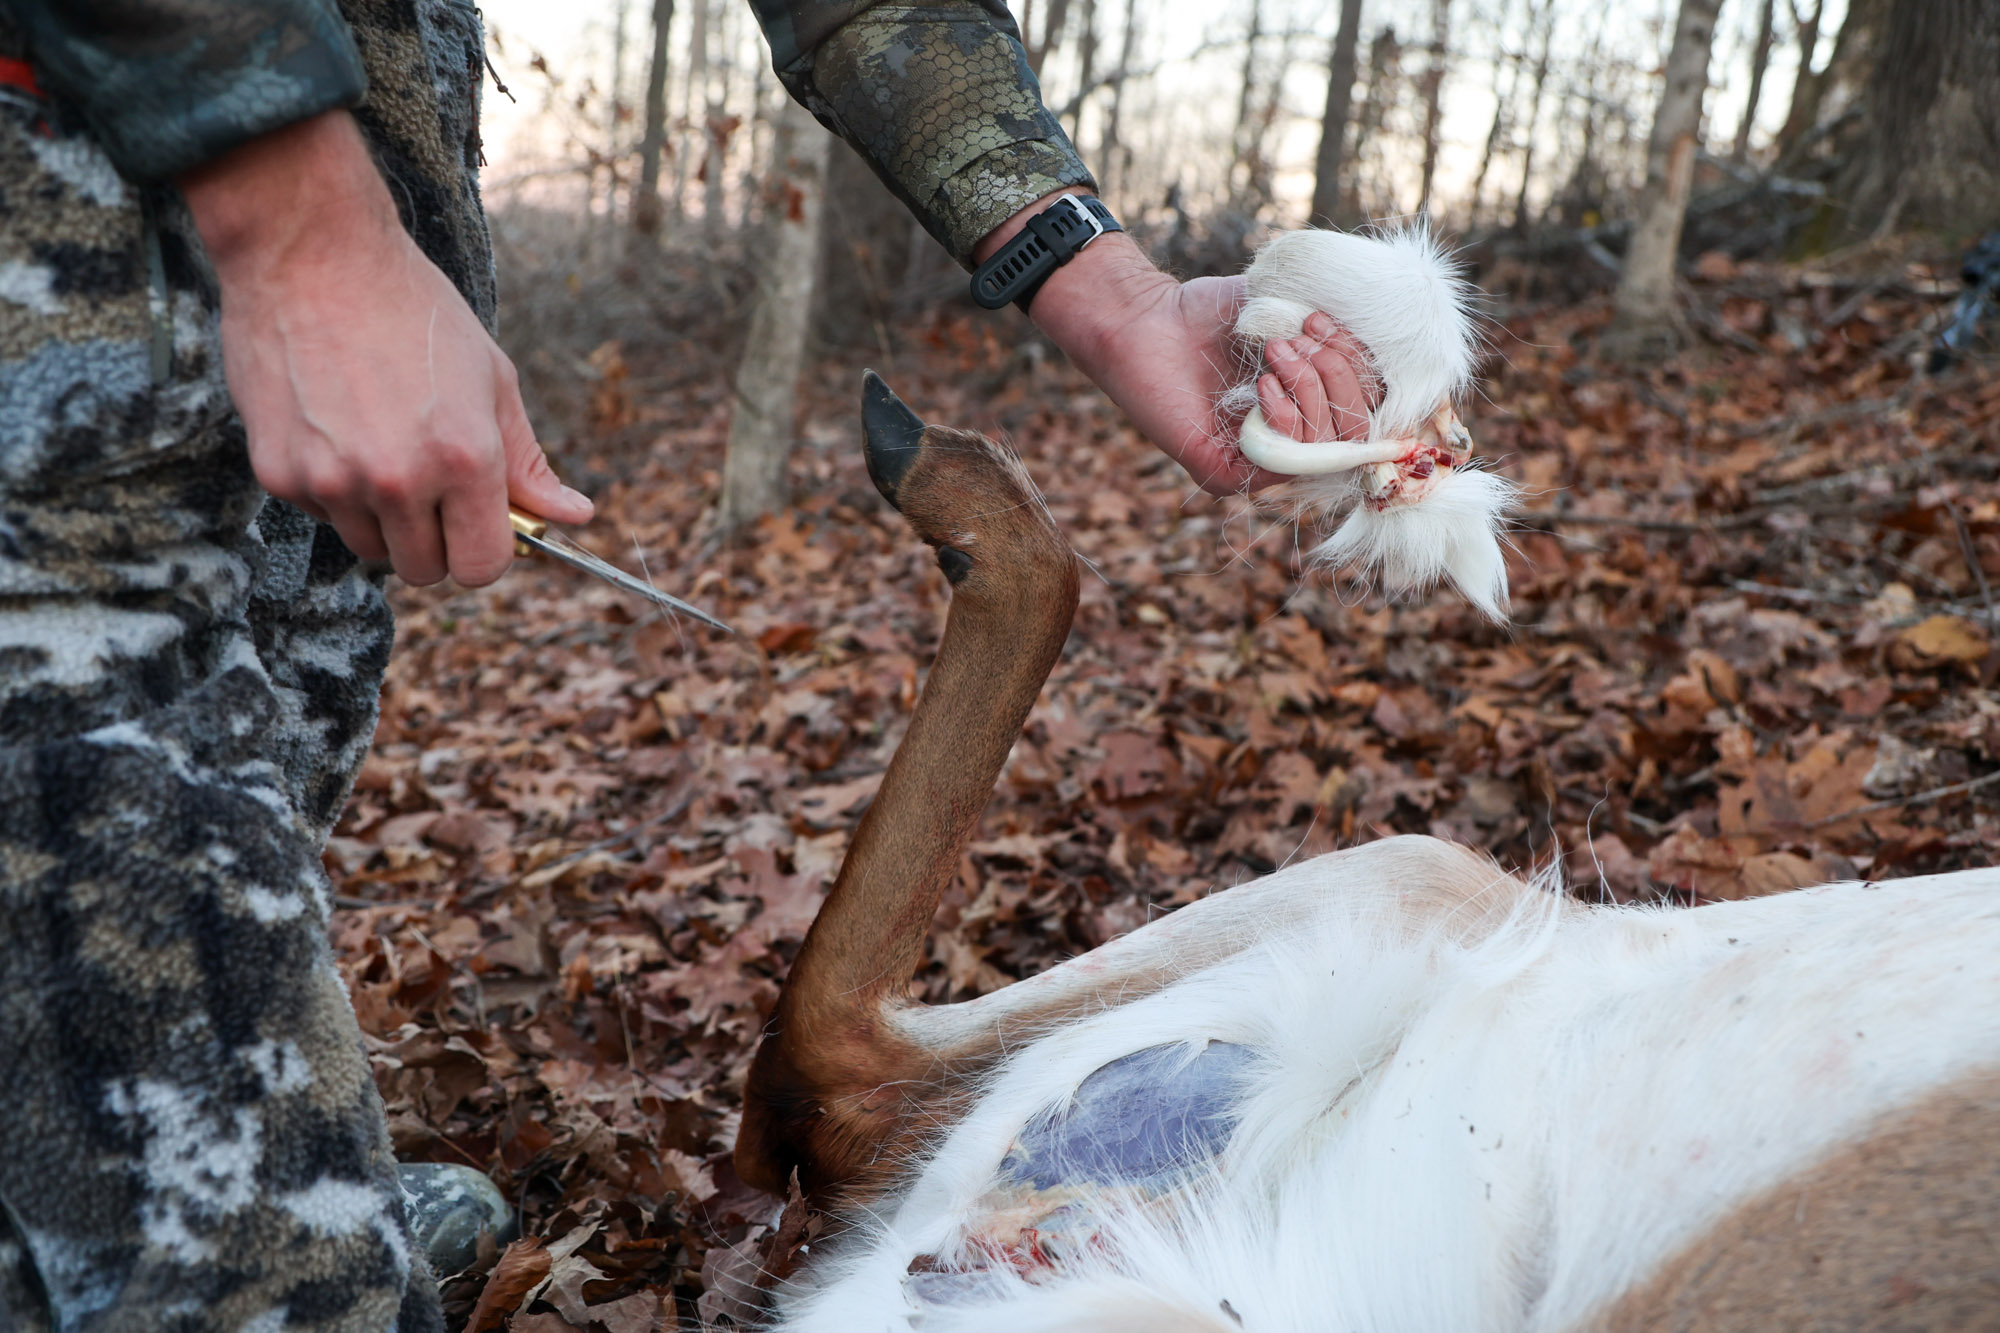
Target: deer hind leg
1422, 883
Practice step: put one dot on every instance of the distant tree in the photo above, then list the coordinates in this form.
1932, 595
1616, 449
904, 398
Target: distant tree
1837, 84
1503, 105
1385, 57
1111, 151
1087, 63
762, 422
646, 206
1760, 60
1326, 210
1053, 23
1541, 78
865, 250
1433, 97
1647, 320
1805, 87
1929, 148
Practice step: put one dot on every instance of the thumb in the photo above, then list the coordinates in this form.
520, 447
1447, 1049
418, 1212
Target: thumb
531, 483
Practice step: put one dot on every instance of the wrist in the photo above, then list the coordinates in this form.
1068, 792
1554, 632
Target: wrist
1083, 304
306, 190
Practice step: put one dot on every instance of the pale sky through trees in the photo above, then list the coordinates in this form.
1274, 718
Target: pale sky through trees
1179, 122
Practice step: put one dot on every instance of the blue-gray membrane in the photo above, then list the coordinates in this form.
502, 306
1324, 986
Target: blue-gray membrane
1140, 1120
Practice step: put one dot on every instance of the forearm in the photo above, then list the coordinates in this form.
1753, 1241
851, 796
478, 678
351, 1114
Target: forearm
1087, 303
937, 97
168, 84
288, 198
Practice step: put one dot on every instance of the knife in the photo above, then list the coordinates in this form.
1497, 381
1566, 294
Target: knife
531, 536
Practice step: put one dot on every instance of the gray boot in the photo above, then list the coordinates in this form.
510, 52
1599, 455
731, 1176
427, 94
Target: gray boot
449, 1207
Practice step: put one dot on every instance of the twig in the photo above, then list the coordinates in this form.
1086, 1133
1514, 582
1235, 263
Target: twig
1921, 798
1849, 308
1548, 518
1743, 518
1796, 594
1971, 554
1791, 423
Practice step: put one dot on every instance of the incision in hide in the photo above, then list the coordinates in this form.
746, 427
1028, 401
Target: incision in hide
1135, 1131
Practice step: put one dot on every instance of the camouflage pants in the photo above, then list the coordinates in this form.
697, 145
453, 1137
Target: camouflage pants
188, 679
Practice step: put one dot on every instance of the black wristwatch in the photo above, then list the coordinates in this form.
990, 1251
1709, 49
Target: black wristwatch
1050, 240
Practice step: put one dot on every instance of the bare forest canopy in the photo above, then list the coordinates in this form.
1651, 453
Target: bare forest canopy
1484, 113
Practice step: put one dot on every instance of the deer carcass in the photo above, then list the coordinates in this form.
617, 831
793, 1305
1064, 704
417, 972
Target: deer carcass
1390, 1088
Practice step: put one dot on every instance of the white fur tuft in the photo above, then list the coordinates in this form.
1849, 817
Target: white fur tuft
1401, 296
1452, 533
1398, 292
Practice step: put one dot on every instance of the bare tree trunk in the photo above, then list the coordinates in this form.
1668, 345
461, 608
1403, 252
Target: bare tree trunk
1534, 119
694, 98
614, 111
1087, 57
761, 426
1930, 142
1110, 150
1647, 318
1804, 108
1433, 90
1326, 211
1385, 56
753, 125
1247, 85
1503, 104
865, 245
715, 133
1052, 33
646, 208
1584, 191
1760, 59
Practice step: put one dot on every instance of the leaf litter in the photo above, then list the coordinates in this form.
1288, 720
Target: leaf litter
1754, 647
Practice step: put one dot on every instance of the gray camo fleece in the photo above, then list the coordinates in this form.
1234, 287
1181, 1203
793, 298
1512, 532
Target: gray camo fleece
189, 675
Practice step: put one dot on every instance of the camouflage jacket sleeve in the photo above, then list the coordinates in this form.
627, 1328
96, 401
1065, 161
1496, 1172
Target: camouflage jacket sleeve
168, 84
936, 96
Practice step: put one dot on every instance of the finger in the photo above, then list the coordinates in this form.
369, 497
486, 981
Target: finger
531, 483
357, 527
1300, 378
414, 535
478, 539
1339, 382
1336, 338
1342, 367
1281, 414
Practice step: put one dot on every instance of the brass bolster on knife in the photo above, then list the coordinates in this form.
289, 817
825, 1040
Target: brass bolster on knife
526, 525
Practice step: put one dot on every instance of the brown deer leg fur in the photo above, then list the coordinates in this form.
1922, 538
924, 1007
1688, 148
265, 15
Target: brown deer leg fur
835, 1082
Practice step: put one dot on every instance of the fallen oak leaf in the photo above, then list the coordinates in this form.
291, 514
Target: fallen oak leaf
1941, 638
522, 1268
567, 1273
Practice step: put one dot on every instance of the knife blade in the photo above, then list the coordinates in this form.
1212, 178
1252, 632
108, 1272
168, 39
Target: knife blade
531, 534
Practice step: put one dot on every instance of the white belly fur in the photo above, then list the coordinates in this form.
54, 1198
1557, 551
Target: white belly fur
1502, 1133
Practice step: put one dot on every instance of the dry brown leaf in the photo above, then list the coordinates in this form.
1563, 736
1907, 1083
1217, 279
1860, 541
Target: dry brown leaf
521, 1268
1945, 639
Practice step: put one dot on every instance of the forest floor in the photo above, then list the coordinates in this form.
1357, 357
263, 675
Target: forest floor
1754, 645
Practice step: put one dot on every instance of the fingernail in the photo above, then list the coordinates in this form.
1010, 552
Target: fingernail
1282, 350
571, 493
1319, 326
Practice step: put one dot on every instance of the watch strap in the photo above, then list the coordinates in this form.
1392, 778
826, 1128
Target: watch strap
1050, 239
